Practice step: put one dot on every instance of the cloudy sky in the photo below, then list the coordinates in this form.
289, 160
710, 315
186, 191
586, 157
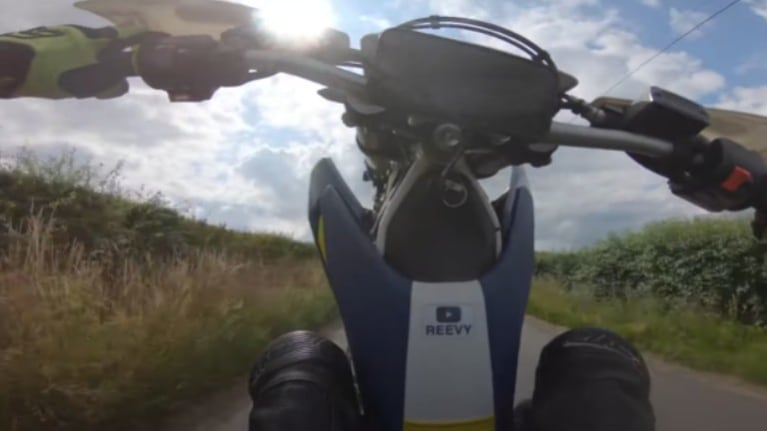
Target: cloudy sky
244, 158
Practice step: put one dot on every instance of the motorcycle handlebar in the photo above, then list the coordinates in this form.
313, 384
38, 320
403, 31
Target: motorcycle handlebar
308, 68
571, 135
560, 133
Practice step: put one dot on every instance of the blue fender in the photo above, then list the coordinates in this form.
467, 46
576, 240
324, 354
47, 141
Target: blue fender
507, 288
375, 300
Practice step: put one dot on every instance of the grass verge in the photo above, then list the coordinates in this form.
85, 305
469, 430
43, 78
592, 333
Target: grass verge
85, 342
701, 340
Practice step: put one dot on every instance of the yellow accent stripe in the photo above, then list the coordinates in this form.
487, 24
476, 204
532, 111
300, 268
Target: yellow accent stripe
487, 424
321, 239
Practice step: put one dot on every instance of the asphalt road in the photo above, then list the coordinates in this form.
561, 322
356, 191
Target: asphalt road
683, 399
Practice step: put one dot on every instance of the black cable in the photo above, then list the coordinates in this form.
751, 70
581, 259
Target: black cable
506, 35
542, 53
658, 54
489, 32
484, 31
671, 44
516, 44
438, 21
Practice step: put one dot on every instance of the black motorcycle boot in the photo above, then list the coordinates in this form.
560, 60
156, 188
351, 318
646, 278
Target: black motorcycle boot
303, 382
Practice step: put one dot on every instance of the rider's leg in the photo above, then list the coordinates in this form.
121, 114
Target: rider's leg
589, 380
303, 382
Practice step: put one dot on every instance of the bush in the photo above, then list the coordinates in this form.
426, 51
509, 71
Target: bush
713, 263
90, 209
558, 264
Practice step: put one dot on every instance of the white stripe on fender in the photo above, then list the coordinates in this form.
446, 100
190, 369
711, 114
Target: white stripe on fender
449, 375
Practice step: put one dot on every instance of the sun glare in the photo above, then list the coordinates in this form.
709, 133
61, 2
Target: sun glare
295, 19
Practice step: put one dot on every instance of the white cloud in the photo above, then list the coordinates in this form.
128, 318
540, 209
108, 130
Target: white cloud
745, 99
295, 17
244, 158
598, 49
651, 3
757, 62
759, 7
179, 149
290, 106
682, 21
379, 23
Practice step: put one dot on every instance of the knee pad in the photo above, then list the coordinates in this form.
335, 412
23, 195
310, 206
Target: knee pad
590, 354
315, 355
303, 381
592, 379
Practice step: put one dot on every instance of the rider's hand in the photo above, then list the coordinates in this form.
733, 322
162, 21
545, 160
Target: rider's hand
65, 61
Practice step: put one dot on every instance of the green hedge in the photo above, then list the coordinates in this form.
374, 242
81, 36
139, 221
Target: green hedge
104, 221
712, 263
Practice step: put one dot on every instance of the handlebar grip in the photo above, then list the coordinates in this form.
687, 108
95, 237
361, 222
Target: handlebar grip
724, 177
191, 68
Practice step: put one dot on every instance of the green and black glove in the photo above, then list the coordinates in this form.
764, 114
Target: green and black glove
66, 61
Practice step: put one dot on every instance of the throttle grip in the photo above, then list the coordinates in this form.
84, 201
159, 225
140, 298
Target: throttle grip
725, 176
190, 68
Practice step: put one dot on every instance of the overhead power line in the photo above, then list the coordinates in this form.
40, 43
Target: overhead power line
660, 52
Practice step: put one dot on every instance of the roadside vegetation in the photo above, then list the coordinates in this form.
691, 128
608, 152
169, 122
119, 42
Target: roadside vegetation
692, 291
113, 308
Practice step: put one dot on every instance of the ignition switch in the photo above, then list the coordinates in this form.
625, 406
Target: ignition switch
447, 136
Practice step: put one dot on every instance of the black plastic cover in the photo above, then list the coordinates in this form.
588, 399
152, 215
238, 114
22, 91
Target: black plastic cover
471, 85
673, 118
430, 242
668, 116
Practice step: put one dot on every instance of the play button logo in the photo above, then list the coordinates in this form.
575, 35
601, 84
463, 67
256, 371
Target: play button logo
448, 320
448, 314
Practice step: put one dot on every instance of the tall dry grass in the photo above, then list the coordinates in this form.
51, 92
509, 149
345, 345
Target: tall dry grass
92, 338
